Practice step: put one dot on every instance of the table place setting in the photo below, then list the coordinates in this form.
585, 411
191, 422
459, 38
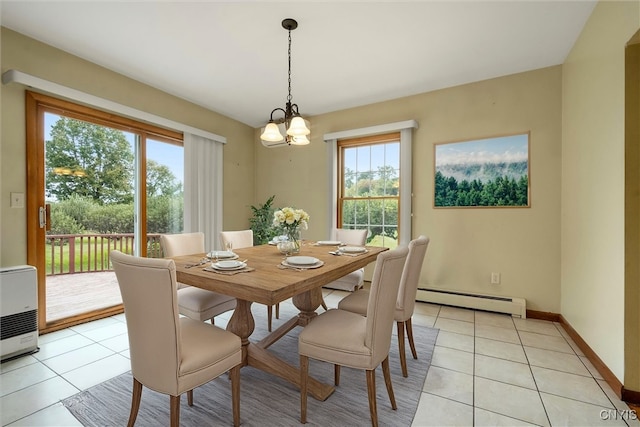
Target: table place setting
350, 251
229, 267
300, 263
222, 255
328, 243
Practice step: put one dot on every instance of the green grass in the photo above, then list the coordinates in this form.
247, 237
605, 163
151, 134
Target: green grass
388, 242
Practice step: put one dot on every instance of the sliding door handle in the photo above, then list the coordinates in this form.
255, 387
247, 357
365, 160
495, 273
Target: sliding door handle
44, 217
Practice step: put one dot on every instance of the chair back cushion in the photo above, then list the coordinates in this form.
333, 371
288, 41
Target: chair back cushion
182, 244
410, 279
382, 301
239, 239
148, 287
351, 237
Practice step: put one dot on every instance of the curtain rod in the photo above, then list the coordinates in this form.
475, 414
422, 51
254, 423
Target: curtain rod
15, 76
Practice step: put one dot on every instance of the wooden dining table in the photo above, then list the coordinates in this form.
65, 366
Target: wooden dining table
270, 283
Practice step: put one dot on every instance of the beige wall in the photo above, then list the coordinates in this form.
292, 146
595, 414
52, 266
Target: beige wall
564, 254
32, 57
593, 181
466, 244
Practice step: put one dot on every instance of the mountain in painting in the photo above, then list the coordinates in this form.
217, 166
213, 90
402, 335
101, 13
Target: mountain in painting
483, 172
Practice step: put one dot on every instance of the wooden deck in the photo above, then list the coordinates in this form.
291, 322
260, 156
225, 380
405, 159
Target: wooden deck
73, 294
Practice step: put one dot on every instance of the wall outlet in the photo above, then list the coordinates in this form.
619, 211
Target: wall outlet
495, 278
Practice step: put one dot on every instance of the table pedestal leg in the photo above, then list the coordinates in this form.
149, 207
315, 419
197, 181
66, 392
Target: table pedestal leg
242, 324
257, 355
308, 302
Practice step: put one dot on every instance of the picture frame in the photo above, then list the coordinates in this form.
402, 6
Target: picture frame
489, 172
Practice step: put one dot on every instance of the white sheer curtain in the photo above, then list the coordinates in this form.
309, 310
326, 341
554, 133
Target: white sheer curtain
203, 188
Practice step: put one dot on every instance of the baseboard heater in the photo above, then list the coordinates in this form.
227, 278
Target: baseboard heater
516, 307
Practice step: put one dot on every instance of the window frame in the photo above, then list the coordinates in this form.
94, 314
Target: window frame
367, 141
406, 192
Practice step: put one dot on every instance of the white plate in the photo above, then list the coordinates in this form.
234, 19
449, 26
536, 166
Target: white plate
228, 265
329, 242
352, 249
302, 260
303, 267
222, 255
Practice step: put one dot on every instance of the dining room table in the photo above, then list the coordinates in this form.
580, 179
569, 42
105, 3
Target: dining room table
269, 279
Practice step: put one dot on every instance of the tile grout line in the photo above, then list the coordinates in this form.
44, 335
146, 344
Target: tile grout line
533, 377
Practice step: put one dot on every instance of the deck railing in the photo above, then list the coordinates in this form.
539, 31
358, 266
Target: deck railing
89, 253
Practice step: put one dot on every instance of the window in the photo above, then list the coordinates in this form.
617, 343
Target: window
94, 175
355, 170
369, 182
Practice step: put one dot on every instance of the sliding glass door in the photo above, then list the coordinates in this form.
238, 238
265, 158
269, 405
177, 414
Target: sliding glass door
95, 183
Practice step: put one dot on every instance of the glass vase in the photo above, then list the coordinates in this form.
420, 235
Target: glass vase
293, 235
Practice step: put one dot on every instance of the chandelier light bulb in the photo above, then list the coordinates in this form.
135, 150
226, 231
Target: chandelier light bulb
271, 133
298, 127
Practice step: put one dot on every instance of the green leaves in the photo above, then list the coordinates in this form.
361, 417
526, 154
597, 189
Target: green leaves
262, 222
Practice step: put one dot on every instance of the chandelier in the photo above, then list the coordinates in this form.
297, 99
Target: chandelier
294, 126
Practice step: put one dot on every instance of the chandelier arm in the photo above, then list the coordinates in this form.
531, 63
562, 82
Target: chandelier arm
277, 109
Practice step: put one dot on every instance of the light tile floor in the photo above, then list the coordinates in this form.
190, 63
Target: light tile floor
487, 370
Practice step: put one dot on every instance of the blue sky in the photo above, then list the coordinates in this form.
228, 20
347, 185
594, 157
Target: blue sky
506, 148
369, 158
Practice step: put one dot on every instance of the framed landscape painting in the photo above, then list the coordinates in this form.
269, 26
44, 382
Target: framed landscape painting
486, 172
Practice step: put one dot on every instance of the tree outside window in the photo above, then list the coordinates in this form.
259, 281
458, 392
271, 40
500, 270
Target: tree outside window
369, 193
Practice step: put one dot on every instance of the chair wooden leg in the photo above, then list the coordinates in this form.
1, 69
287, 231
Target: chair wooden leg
175, 411
407, 325
135, 402
269, 313
336, 375
235, 394
190, 397
324, 305
213, 320
387, 380
277, 310
401, 349
371, 393
304, 374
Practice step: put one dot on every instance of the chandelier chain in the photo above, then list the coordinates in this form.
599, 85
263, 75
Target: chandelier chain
289, 54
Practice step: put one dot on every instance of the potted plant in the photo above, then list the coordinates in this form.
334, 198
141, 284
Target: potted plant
262, 222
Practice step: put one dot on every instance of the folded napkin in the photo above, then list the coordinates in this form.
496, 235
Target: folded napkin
229, 272
356, 254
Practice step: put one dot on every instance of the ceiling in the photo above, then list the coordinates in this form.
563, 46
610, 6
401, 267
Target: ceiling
231, 57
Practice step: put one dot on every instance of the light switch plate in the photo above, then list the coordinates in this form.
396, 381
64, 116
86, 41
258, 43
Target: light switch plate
17, 200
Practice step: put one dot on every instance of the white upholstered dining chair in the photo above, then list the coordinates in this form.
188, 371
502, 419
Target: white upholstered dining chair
349, 339
196, 303
170, 354
244, 239
355, 279
357, 302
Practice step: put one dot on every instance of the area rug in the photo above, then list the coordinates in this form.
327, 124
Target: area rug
266, 400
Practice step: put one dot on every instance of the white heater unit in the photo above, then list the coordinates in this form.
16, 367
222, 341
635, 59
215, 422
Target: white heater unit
18, 311
516, 307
